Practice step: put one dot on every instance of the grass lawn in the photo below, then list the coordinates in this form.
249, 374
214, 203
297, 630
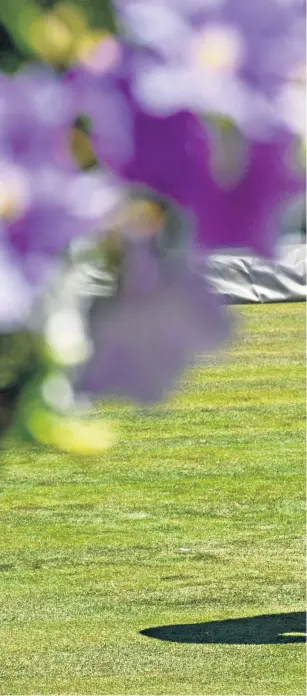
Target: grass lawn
196, 516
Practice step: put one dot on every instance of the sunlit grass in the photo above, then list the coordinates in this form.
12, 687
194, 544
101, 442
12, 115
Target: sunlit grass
196, 515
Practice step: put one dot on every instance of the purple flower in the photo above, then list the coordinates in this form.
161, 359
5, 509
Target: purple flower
103, 98
158, 152
45, 201
162, 316
44, 208
232, 58
36, 113
172, 154
247, 212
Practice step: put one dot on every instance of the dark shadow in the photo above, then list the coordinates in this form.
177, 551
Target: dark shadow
255, 630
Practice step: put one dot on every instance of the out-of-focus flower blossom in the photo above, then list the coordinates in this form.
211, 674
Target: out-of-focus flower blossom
36, 112
45, 200
227, 57
44, 208
99, 52
176, 154
162, 315
132, 328
244, 208
100, 95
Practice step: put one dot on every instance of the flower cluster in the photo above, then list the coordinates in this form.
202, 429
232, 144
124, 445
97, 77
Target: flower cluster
180, 135
243, 61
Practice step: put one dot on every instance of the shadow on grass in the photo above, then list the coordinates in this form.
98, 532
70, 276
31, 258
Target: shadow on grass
267, 629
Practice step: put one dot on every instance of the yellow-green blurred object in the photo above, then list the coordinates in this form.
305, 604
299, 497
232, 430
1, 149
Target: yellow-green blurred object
73, 16
74, 435
141, 217
300, 152
59, 35
57, 43
99, 51
81, 148
51, 39
228, 150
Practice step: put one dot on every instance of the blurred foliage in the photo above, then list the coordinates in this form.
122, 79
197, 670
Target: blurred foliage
11, 56
18, 363
98, 12
48, 29
16, 357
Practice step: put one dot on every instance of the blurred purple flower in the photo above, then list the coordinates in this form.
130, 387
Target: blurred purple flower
247, 212
44, 208
151, 150
45, 200
172, 155
36, 113
162, 316
232, 58
103, 98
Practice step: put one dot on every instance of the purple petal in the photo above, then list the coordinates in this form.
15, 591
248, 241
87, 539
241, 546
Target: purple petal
172, 157
170, 154
144, 341
109, 111
35, 114
62, 205
249, 214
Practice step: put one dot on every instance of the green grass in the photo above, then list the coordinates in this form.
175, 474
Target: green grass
197, 515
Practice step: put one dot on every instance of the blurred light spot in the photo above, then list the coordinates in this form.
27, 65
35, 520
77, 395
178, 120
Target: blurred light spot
66, 338
73, 16
291, 103
14, 192
99, 52
92, 196
139, 218
292, 634
218, 49
57, 392
51, 39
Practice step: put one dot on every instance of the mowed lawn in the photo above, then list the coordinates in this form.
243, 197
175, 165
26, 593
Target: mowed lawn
196, 516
